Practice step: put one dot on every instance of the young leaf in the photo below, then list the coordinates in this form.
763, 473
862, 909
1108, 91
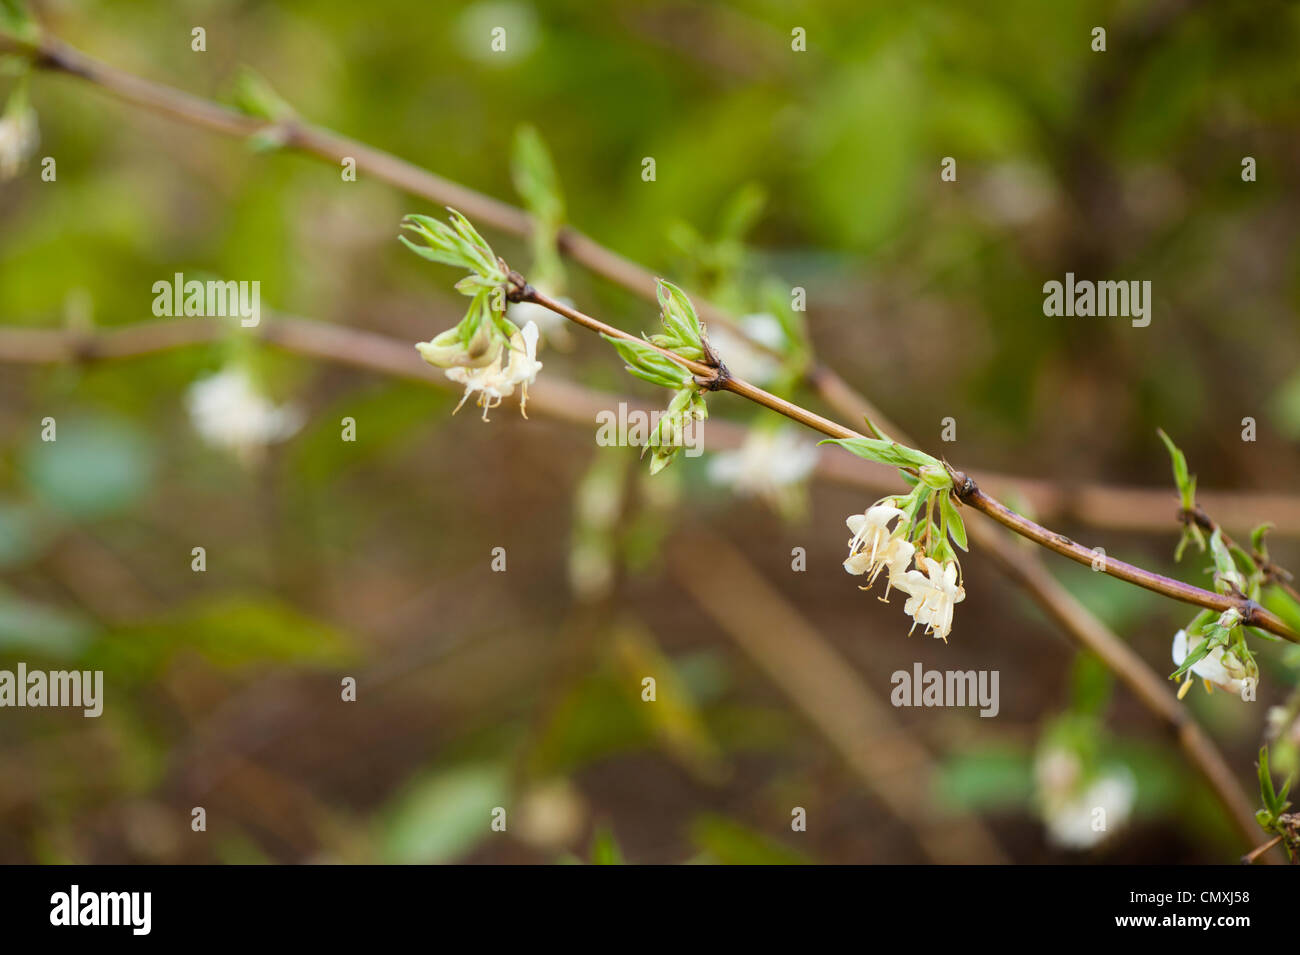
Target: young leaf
1186, 484
952, 520
648, 364
535, 177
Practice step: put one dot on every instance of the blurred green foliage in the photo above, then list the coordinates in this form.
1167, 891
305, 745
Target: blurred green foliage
775, 169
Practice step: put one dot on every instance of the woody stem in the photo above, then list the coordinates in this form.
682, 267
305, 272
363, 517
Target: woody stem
964, 488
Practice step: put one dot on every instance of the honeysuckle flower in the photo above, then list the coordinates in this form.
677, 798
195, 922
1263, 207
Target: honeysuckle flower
227, 411
1070, 810
1283, 725
874, 547
1220, 667
931, 595
514, 364
19, 138
770, 464
446, 350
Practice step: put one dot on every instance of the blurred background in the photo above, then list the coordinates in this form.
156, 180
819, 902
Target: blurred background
372, 559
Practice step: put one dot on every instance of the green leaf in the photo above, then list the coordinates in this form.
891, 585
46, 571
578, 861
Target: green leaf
15, 19
1186, 484
255, 96
605, 849
952, 520
885, 452
441, 816
1266, 783
1257, 539
647, 363
732, 843
535, 177
678, 314
1194, 657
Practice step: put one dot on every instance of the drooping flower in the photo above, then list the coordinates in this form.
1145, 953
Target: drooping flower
446, 350
228, 411
1077, 815
931, 595
770, 464
514, 364
1220, 667
19, 137
875, 547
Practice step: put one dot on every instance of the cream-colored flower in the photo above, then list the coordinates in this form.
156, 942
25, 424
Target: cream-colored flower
229, 412
514, 364
1220, 667
1079, 816
875, 547
770, 464
931, 595
18, 140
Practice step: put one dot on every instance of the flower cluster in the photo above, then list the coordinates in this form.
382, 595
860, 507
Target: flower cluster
1081, 809
1217, 653
229, 412
772, 464
920, 528
931, 586
485, 352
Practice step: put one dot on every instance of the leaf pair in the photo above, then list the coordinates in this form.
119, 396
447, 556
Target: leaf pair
458, 244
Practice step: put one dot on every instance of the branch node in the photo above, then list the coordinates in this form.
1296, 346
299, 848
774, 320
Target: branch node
517, 288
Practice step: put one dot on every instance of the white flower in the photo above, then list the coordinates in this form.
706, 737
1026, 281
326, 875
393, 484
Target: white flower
496, 381
227, 411
875, 548
1081, 820
770, 464
1220, 667
1283, 724
932, 595
19, 138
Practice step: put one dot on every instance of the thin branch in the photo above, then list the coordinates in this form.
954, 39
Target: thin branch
578, 405
1252, 614
1250, 857
965, 488
1106, 506
1111, 507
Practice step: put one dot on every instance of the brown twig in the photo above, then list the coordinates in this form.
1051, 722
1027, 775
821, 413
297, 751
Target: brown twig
1118, 507
569, 402
1106, 506
965, 488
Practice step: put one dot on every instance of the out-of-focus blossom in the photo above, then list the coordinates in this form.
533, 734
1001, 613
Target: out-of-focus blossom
1079, 816
771, 464
227, 411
